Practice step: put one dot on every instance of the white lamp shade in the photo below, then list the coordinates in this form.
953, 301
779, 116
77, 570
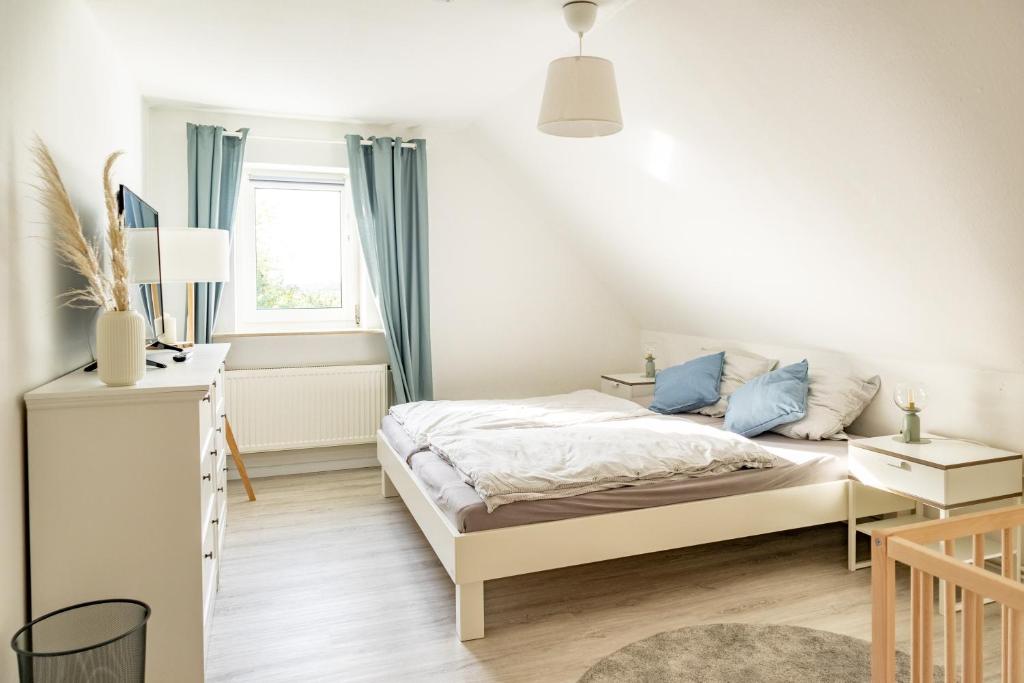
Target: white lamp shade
581, 99
187, 255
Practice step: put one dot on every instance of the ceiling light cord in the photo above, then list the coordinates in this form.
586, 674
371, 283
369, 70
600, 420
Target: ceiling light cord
580, 34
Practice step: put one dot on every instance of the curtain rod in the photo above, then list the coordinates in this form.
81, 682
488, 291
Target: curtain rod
274, 138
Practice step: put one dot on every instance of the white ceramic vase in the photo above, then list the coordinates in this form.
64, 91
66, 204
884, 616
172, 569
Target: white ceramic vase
121, 348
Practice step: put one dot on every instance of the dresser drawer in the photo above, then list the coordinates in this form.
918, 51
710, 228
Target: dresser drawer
211, 566
217, 393
206, 416
942, 487
208, 475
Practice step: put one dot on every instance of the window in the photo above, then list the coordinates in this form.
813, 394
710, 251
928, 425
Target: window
296, 254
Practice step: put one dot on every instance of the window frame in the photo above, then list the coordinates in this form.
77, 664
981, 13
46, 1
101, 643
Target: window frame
249, 318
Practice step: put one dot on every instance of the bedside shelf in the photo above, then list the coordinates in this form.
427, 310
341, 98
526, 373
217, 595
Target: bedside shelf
963, 550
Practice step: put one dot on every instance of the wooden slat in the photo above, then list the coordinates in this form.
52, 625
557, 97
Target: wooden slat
883, 611
1007, 570
916, 631
979, 611
949, 618
970, 638
1015, 642
970, 524
927, 653
967, 576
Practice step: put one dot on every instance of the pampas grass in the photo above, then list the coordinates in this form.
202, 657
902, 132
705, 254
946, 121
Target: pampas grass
116, 238
71, 245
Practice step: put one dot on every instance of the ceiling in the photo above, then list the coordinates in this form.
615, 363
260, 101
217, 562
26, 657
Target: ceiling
399, 61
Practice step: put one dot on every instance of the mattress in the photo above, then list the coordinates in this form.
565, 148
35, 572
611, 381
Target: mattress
804, 462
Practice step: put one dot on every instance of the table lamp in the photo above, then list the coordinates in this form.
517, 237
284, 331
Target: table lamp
177, 255
911, 399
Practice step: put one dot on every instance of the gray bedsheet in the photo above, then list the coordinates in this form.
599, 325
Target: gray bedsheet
806, 462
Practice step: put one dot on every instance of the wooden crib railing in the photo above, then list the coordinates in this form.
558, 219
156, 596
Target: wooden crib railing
909, 545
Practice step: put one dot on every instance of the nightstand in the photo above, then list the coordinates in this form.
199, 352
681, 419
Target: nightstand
632, 385
944, 474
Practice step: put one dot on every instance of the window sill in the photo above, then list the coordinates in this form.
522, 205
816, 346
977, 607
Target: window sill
296, 331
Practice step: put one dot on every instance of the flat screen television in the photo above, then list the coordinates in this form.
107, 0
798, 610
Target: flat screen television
137, 213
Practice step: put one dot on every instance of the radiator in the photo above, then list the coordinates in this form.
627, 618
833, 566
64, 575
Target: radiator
277, 409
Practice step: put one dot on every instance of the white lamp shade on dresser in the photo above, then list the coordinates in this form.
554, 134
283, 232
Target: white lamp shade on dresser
581, 99
186, 254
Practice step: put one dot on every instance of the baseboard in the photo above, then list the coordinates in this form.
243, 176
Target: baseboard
303, 461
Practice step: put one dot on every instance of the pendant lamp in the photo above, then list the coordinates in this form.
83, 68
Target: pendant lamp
581, 99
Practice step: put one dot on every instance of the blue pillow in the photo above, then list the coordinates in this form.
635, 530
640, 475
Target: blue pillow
773, 399
690, 386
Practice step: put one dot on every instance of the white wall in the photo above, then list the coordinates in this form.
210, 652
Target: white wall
59, 79
514, 311
839, 175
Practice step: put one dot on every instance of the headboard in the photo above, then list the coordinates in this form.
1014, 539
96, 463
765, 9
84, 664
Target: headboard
977, 404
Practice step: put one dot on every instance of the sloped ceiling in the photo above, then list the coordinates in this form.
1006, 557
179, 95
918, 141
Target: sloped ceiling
839, 175
834, 175
379, 61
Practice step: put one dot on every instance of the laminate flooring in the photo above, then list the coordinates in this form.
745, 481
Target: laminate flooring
324, 580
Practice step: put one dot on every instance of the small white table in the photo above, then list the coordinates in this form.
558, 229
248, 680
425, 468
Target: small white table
944, 474
635, 386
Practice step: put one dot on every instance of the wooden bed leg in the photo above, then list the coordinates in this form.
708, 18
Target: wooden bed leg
469, 610
387, 489
851, 526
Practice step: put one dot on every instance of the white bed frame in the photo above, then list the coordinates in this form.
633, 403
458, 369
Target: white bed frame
474, 557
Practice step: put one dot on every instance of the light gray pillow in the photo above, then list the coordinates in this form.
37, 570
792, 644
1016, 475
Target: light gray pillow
834, 400
740, 367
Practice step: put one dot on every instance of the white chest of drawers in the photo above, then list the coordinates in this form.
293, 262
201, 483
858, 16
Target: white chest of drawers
127, 499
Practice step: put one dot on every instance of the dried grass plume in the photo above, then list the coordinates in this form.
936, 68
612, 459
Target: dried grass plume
69, 240
116, 239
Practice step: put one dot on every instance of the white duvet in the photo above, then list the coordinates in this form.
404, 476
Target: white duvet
505, 466
424, 419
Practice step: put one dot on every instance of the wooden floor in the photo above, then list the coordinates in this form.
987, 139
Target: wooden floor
324, 580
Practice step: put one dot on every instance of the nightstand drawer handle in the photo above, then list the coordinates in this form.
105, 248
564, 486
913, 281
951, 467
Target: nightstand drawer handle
206, 477
901, 466
208, 555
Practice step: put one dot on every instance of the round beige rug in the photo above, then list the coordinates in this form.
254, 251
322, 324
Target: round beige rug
725, 653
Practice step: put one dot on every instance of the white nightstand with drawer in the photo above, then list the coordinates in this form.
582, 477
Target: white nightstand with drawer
944, 474
635, 386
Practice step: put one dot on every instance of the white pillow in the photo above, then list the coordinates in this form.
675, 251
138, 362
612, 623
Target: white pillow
834, 401
740, 367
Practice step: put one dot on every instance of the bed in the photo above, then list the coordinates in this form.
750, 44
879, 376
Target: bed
808, 487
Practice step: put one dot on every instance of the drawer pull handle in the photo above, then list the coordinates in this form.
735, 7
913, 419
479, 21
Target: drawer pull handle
208, 555
225, 468
206, 477
206, 398
220, 489
902, 466
214, 384
219, 429
214, 521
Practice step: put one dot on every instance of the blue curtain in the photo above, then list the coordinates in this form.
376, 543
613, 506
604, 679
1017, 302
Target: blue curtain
389, 192
214, 176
